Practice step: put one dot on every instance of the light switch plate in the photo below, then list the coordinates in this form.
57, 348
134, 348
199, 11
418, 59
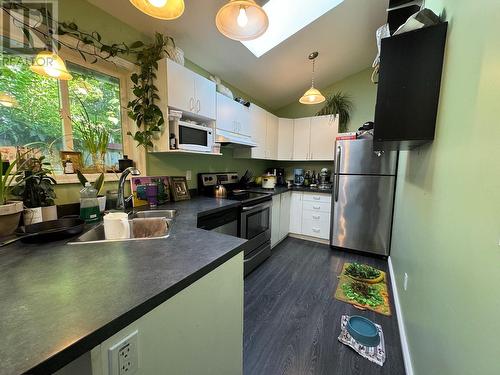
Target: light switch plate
188, 175
123, 356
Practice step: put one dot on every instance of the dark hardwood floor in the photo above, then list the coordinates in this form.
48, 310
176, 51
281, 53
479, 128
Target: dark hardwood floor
292, 320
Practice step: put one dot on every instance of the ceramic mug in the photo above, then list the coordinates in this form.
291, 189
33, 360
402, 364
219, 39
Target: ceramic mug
116, 226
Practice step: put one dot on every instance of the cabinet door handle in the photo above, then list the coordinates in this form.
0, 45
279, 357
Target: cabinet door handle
311, 155
198, 106
316, 230
316, 217
191, 104
316, 198
316, 207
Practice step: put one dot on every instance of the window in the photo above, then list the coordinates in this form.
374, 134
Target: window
83, 114
285, 19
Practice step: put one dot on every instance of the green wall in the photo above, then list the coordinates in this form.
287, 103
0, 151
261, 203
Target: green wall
358, 86
447, 215
178, 164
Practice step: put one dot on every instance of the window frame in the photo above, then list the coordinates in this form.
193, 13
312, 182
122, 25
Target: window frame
116, 67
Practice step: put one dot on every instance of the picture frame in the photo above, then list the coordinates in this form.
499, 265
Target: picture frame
75, 157
179, 188
138, 189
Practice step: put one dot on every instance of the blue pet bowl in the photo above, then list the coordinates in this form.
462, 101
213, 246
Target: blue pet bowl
363, 331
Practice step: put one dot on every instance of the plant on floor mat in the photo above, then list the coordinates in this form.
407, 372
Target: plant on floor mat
362, 293
362, 271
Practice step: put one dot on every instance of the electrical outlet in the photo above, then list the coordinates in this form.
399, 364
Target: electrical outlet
405, 282
123, 356
188, 175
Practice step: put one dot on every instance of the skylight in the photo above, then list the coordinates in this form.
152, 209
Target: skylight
286, 17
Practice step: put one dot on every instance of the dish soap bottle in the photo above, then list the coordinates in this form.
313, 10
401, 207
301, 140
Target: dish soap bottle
89, 206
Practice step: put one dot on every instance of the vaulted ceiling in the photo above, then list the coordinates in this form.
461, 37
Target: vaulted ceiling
344, 37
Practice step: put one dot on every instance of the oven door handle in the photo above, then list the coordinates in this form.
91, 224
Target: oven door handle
250, 208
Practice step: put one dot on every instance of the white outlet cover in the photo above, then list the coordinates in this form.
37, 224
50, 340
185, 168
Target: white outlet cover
405, 282
123, 356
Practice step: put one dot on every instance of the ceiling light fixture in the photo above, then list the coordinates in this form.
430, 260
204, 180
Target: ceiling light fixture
242, 20
49, 64
313, 95
161, 9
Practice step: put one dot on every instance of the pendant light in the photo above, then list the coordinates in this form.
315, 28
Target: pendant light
49, 64
7, 100
313, 95
161, 9
242, 20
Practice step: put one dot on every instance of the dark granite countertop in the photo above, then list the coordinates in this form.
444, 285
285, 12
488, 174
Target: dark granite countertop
58, 301
283, 189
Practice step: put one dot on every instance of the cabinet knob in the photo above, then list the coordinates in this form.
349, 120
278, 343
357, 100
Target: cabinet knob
316, 230
316, 198
316, 217
316, 207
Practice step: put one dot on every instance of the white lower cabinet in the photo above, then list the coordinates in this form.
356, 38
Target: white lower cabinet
296, 212
310, 214
275, 220
279, 217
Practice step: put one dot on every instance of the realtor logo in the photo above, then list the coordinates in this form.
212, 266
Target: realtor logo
27, 27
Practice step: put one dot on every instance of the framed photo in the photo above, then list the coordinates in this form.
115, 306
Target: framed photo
179, 189
138, 189
75, 157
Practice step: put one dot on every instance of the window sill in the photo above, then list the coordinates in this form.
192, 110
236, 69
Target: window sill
62, 179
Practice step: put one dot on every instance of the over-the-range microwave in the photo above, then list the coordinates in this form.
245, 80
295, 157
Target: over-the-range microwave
193, 137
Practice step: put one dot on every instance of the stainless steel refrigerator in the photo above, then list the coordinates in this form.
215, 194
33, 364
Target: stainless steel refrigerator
363, 197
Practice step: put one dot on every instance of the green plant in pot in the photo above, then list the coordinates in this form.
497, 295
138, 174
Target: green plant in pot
98, 185
37, 191
10, 211
94, 136
338, 103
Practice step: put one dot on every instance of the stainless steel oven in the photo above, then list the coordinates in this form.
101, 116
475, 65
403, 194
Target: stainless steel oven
255, 226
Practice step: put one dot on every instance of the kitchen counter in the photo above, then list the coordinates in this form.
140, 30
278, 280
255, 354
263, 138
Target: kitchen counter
282, 189
59, 301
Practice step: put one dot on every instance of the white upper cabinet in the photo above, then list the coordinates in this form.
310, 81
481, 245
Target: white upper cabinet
323, 133
285, 139
232, 116
190, 92
272, 137
258, 131
301, 137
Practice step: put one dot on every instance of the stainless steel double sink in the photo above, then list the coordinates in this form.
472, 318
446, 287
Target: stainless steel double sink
96, 234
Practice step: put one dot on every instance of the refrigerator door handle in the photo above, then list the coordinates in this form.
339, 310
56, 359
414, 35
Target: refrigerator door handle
337, 170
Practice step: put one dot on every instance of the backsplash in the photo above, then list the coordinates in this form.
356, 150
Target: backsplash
177, 164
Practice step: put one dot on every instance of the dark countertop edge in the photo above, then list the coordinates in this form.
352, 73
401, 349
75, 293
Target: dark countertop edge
78, 348
283, 189
234, 204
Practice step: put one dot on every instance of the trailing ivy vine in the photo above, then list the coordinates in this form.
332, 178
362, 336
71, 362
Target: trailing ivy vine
147, 115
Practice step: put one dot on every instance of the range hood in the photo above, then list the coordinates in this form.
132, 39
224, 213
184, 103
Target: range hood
228, 138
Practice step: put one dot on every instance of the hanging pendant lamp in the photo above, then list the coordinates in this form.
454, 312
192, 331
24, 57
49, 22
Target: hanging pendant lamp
161, 9
313, 95
49, 64
242, 20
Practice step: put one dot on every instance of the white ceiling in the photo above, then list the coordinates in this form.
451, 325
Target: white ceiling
344, 38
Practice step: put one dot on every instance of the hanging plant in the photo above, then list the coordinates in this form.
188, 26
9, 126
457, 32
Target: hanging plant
340, 104
147, 115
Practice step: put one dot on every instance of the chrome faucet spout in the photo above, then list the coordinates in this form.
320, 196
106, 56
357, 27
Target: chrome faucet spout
122, 201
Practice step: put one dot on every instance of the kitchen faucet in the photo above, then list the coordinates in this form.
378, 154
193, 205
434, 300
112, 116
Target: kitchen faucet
122, 201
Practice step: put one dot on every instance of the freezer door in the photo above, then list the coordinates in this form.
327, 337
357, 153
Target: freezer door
362, 213
357, 157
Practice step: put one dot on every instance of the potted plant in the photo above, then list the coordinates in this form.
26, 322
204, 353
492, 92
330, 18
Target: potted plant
98, 184
95, 137
339, 104
10, 211
37, 191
